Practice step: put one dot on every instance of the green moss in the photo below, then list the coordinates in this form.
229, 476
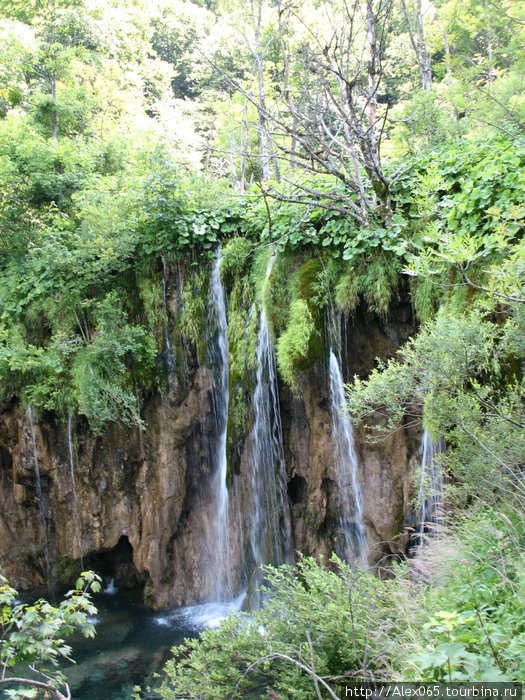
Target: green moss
238, 413
399, 516
242, 339
235, 259
281, 288
380, 283
259, 268
150, 292
299, 347
309, 283
299, 314
239, 420
147, 597
375, 279
426, 295
242, 329
68, 570
348, 289
194, 300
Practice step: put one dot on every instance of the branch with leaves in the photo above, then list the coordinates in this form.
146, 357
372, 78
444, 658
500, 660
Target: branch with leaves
32, 638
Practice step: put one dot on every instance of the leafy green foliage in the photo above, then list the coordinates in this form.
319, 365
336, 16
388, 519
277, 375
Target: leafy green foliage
337, 608
476, 631
437, 366
464, 206
94, 203
194, 301
32, 637
466, 625
104, 369
296, 346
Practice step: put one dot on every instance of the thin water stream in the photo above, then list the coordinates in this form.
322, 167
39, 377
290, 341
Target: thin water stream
269, 516
430, 494
40, 496
74, 490
170, 363
352, 542
220, 566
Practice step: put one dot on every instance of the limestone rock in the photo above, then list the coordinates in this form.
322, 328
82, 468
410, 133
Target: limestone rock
144, 500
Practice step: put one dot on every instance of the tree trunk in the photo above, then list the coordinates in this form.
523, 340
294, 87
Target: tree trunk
371, 23
417, 39
233, 149
54, 127
263, 121
426, 65
244, 147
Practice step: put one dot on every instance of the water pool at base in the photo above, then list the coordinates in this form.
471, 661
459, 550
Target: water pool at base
132, 643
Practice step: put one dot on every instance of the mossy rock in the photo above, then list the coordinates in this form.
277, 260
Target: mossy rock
240, 420
195, 305
300, 345
68, 570
308, 282
280, 290
236, 259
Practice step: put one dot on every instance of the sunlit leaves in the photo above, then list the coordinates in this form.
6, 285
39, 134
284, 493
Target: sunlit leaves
33, 635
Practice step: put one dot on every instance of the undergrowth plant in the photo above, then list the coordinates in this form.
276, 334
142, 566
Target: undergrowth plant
323, 624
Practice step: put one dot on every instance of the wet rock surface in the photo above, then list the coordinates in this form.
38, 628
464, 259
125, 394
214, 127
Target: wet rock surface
152, 489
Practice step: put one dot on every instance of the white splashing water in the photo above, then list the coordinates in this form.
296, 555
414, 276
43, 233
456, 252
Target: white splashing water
430, 496
220, 544
352, 542
110, 588
200, 616
41, 509
269, 516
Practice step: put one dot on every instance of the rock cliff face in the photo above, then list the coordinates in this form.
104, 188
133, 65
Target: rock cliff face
138, 505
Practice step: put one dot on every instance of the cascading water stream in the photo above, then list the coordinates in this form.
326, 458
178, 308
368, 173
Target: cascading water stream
430, 495
74, 489
169, 350
141, 441
41, 509
220, 539
269, 516
352, 542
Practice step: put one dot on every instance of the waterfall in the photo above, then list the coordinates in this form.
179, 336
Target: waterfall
141, 441
74, 489
351, 541
269, 518
219, 541
169, 350
41, 509
430, 495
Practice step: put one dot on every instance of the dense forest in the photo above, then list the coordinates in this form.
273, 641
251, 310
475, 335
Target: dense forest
344, 157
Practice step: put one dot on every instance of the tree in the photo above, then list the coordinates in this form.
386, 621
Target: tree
416, 32
62, 35
321, 112
32, 638
329, 106
483, 46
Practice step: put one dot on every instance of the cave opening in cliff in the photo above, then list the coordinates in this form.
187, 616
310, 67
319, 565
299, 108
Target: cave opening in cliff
116, 566
297, 489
